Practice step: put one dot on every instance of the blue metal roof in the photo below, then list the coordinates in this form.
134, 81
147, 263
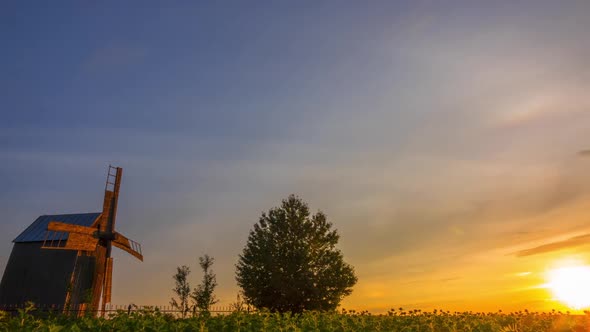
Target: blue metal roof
38, 229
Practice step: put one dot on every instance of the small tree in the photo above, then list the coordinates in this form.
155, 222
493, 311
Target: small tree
240, 305
291, 263
182, 290
203, 294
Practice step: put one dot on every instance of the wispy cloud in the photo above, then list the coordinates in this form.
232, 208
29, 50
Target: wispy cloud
575, 241
550, 104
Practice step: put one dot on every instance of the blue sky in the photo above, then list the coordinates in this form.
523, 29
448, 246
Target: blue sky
431, 134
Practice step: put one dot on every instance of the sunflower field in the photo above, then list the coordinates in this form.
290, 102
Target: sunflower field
394, 320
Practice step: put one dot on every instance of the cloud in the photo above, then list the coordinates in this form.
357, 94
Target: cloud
549, 104
584, 152
575, 241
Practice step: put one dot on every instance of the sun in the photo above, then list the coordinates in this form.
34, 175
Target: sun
571, 285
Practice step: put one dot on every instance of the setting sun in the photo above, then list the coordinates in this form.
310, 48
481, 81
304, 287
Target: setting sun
571, 285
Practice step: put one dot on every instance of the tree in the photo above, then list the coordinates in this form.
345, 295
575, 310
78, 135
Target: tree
291, 263
182, 290
240, 305
203, 294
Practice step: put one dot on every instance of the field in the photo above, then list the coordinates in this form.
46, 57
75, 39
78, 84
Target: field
394, 320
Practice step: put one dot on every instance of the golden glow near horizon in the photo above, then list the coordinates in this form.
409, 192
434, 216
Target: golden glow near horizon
570, 284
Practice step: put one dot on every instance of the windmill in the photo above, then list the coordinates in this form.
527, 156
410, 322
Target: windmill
91, 280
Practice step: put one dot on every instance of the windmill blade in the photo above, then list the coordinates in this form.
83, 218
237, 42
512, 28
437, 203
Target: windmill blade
79, 237
128, 245
108, 281
58, 226
111, 198
77, 241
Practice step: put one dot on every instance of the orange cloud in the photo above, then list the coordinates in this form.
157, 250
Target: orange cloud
575, 241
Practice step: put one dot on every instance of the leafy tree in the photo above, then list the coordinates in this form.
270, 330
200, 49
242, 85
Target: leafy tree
291, 263
182, 290
203, 294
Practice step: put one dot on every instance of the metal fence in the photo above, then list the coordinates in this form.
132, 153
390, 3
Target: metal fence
82, 309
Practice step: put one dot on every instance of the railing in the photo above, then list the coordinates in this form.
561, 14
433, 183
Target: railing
82, 309
136, 246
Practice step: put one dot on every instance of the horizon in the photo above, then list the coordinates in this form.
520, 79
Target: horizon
447, 143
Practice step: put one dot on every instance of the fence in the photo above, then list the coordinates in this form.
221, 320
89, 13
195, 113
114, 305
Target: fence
82, 309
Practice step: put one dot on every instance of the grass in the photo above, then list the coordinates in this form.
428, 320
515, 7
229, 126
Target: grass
394, 320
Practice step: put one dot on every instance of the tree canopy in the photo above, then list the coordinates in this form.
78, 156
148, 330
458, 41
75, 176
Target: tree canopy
291, 263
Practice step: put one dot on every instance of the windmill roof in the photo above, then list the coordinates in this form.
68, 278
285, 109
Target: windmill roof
37, 231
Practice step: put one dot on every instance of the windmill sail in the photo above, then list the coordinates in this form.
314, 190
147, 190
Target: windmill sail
128, 245
63, 227
79, 237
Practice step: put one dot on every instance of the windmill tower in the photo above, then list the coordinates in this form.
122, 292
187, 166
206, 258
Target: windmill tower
65, 260
94, 245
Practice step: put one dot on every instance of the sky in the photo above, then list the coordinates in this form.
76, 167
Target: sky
442, 140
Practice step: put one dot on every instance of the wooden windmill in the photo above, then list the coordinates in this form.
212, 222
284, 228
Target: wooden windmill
93, 273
